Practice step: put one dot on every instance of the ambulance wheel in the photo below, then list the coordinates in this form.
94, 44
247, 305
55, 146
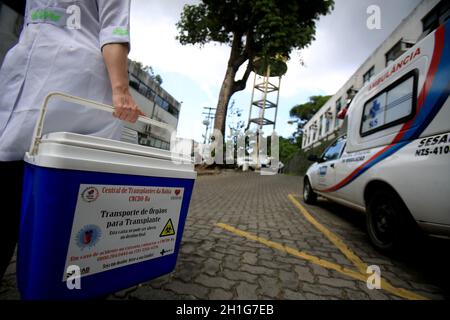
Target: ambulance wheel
309, 196
388, 225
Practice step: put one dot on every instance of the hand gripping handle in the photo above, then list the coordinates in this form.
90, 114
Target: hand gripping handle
37, 136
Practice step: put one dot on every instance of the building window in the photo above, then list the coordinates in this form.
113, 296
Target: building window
436, 17
314, 128
165, 146
150, 94
174, 111
162, 103
397, 50
328, 118
320, 126
134, 82
147, 92
391, 107
368, 75
338, 109
160, 144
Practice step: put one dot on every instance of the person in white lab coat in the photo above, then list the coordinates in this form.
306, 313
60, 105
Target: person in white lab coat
76, 47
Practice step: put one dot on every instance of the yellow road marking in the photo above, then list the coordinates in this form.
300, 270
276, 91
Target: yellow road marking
323, 263
359, 264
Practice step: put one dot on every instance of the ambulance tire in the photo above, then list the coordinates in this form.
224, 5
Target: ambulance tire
309, 196
389, 223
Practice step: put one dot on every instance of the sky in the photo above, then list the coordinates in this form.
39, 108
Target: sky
194, 75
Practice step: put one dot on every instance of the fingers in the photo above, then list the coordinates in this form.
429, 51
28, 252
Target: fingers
119, 104
127, 113
131, 113
126, 109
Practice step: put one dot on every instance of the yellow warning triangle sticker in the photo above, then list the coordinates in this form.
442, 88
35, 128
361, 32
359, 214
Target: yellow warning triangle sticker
168, 229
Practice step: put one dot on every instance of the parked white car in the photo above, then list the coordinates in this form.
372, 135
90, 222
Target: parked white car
393, 163
250, 162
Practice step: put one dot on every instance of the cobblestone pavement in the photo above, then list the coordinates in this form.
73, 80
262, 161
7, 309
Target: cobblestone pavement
215, 263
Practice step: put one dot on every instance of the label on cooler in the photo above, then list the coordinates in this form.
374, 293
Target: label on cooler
115, 226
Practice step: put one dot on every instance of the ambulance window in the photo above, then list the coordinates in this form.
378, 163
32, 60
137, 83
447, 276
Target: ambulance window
399, 101
391, 107
373, 117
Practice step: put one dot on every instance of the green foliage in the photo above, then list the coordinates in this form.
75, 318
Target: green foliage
306, 111
299, 164
252, 28
270, 27
149, 70
158, 79
288, 149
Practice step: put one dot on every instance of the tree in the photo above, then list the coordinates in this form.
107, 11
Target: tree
304, 112
287, 150
252, 28
149, 70
235, 123
158, 79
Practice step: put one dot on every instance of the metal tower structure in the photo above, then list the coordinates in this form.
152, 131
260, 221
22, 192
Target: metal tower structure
266, 92
265, 97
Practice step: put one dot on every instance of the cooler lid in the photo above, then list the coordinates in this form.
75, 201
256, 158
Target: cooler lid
92, 142
81, 152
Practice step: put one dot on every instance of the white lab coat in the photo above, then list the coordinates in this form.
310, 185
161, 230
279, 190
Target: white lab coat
52, 56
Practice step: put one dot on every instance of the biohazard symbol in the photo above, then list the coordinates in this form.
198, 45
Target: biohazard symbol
168, 229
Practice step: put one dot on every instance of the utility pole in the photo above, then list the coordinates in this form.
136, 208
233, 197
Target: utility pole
209, 119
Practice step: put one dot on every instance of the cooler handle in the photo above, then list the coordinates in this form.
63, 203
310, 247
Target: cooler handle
83, 102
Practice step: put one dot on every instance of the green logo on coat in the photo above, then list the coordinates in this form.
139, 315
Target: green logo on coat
121, 32
45, 15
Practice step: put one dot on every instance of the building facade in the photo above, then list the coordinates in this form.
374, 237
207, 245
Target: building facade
426, 17
154, 101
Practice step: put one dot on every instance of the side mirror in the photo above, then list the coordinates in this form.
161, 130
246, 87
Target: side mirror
313, 158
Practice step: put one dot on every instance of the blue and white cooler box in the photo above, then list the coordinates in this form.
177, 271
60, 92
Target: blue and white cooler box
109, 211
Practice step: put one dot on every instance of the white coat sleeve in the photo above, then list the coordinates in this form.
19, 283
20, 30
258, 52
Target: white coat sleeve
114, 16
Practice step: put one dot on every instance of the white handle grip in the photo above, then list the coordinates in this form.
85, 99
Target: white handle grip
83, 102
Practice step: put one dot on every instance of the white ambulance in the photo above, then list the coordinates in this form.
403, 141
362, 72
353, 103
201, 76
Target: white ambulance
393, 163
